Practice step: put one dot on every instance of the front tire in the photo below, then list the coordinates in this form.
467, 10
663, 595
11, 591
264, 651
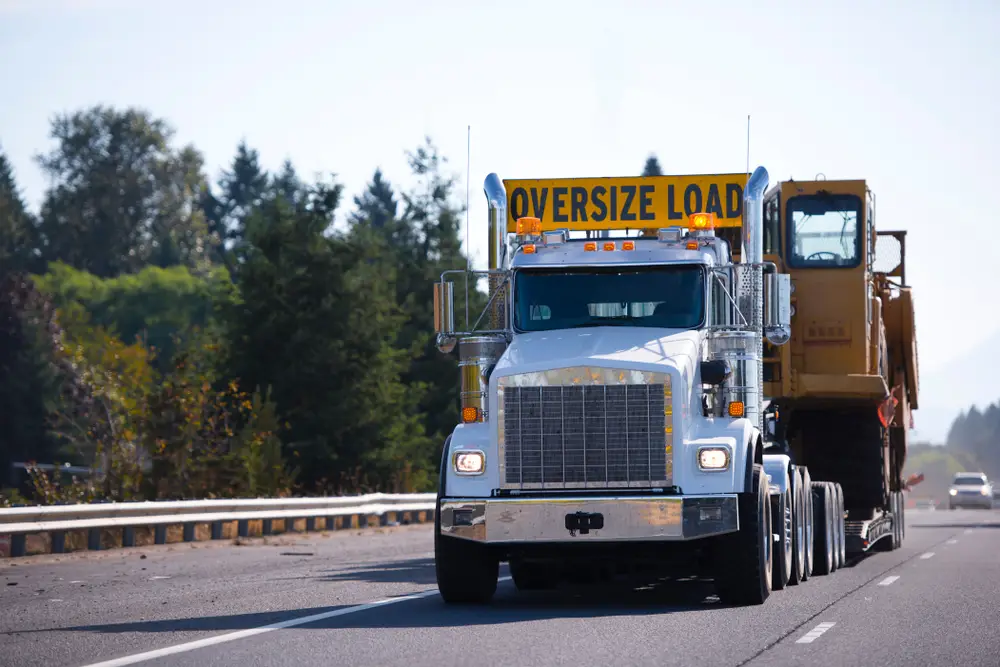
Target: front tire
467, 572
744, 577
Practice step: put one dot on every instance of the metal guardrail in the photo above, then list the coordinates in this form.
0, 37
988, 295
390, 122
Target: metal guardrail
18, 522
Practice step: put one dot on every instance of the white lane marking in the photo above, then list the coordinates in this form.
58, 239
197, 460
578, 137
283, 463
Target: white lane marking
887, 581
159, 576
952, 541
242, 634
815, 633
929, 554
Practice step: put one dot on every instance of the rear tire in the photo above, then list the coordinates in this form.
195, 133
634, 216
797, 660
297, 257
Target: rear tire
467, 572
783, 516
838, 523
799, 531
807, 502
744, 573
823, 560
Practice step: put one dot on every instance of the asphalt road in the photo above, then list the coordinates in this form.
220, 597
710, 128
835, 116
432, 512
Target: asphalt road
369, 598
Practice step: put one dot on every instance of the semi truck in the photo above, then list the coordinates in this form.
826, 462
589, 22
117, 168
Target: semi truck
625, 396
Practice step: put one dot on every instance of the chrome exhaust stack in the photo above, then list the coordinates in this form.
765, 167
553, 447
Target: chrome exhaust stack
496, 197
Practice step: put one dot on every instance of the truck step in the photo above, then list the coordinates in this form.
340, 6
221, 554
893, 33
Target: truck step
861, 535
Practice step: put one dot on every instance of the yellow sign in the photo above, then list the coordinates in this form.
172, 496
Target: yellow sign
628, 202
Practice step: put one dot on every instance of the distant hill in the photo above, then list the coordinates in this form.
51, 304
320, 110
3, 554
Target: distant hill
945, 393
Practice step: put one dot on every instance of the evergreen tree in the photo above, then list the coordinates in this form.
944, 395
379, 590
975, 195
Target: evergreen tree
18, 239
652, 167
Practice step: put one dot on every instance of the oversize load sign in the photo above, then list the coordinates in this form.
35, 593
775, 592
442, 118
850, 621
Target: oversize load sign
629, 202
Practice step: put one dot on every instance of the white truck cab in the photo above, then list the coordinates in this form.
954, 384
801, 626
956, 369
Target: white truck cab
614, 407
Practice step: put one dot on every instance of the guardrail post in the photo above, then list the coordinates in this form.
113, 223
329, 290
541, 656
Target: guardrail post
94, 539
128, 536
216, 530
310, 524
266, 528
58, 542
18, 544
160, 534
189, 532
243, 528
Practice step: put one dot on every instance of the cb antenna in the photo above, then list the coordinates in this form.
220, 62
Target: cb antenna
468, 250
748, 149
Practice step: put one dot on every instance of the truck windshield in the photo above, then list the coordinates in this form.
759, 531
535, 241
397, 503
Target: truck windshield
824, 231
671, 297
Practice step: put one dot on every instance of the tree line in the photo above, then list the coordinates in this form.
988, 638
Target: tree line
188, 337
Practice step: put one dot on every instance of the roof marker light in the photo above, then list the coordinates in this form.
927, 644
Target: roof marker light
628, 245
609, 246
590, 246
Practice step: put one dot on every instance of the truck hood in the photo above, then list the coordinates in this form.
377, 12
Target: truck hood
610, 347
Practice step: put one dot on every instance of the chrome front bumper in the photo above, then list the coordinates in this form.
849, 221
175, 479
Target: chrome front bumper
591, 519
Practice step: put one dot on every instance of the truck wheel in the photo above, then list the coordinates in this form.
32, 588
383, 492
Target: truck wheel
807, 503
838, 524
783, 515
902, 517
823, 561
797, 574
530, 576
467, 572
744, 575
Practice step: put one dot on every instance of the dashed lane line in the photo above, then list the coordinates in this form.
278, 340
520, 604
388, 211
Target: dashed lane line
929, 554
243, 634
888, 580
815, 633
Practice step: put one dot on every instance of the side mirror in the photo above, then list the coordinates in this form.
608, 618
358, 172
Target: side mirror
715, 372
777, 308
444, 316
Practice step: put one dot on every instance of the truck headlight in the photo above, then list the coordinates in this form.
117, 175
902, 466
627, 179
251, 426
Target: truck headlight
713, 458
985, 490
469, 462
953, 492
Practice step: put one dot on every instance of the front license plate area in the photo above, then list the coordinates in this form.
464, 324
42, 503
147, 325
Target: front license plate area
584, 522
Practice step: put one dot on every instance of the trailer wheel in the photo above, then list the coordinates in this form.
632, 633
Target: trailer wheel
797, 574
823, 561
467, 573
807, 503
746, 557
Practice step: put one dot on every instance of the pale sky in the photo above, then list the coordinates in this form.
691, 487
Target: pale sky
903, 94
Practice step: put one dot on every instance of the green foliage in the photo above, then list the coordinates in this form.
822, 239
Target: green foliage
121, 197
196, 340
155, 305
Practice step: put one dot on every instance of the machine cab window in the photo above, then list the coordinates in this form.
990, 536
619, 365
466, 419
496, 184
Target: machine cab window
824, 231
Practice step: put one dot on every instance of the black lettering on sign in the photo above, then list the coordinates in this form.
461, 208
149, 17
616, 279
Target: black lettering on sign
557, 203
578, 204
539, 204
518, 203
629, 192
596, 195
734, 200
645, 201
672, 212
714, 203
692, 192
614, 203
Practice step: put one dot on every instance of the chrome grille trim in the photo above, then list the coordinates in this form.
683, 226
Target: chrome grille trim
585, 428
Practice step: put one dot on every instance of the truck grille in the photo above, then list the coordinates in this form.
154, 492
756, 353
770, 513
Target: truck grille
586, 436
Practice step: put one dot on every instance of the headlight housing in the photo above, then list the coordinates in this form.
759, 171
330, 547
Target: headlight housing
469, 462
713, 459
985, 491
953, 492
